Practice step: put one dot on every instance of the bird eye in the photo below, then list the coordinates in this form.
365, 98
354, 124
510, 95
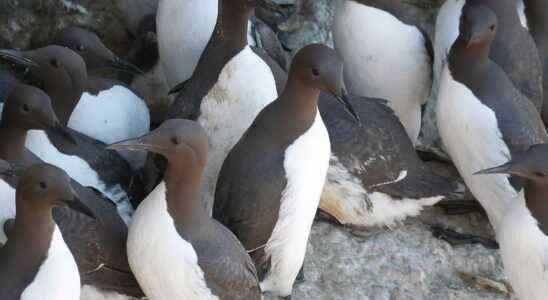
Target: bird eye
492, 27
174, 141
315, 72
81, 48
54, 63
43, 185
25, 108
540, 174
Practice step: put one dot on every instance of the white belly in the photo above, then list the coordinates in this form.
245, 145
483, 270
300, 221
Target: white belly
344, 197
384, 58
470, 133
182, 37
524, 250
113, 115
245, 86
305, 164
7, 207
155, 248
78, 169
58, 277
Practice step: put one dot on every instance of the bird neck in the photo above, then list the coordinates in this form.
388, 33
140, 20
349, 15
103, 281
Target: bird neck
183, 194
65, 97
537, 202
463, 59
300, 101
33, 230
228, 39
13, 142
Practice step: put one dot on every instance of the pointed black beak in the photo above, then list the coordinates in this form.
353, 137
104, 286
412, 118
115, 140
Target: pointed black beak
504, 169
64, 132
178, 88
342, 98
136, 144
16, 57
124, 66
76, 204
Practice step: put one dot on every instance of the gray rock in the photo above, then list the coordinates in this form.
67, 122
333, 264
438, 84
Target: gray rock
404, 262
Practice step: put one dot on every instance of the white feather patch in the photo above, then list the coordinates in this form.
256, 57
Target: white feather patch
524, 251
182, 37
473, 140
165, 265
78, 169
344, 197
245, 86
58, 276
306, 162
399, 71
113, 115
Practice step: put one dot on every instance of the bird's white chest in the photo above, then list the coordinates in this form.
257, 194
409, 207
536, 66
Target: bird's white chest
7, 207
78, 169
113, 115
155, 247
473, 140
384, 58
182, 37
305, 164
245, 86
58, 276
524, 251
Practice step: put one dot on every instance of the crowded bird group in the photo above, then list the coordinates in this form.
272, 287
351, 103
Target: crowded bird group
216, 199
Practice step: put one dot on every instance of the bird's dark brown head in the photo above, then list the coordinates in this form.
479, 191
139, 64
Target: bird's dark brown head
28, 108
96, 55
44, 186
182, 142
531, 165
478, 25
320, 67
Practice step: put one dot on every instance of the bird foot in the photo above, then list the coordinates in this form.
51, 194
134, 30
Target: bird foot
457, 239
484, 283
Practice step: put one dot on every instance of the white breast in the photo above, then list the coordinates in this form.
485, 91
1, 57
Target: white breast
472, 138
89, 292
182, 37
155, 247
7, 207
113, 115
245, 86
305, 164
398, 70
524, 250
58, 276
78, 169
344, 197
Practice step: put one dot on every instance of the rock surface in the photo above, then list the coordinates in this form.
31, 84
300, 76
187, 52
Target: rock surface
404, 262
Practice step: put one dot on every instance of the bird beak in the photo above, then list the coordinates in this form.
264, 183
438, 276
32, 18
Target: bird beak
63, 132
76, 204
178, 88
137, 144
17, 57
503, 169
342, 98
124, 66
